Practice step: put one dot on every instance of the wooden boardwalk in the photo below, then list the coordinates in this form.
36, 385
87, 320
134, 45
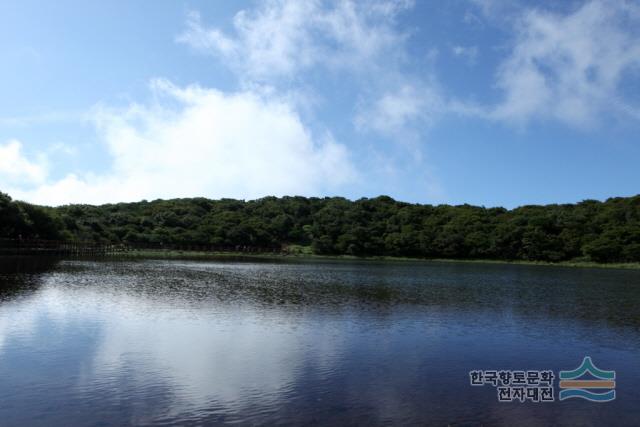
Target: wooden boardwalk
93, 249
57, 247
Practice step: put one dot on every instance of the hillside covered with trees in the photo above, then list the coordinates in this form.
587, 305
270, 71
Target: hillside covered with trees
599, 231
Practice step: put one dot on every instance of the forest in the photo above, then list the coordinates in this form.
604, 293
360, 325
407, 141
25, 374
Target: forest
591, 230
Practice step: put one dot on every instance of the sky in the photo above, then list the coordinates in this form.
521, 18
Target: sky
486, 102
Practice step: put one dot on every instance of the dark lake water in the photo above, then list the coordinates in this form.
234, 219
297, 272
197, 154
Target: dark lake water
110, 343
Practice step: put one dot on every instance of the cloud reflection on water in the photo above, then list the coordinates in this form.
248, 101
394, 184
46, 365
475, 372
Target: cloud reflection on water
139, 343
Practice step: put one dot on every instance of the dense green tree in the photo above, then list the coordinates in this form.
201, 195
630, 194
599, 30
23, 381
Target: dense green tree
601, 231
13, 221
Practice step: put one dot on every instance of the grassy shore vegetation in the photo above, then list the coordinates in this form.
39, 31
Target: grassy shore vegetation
581, 233
310, 256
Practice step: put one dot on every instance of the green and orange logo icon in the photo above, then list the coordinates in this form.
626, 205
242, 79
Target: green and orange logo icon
572, 386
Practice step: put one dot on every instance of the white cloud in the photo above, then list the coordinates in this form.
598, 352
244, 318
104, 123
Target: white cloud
209, 143
15, 168
394, 111
284, 41
569, 67
284, 37
253, 142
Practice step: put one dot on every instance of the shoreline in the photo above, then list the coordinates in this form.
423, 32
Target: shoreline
186, 255
199, 255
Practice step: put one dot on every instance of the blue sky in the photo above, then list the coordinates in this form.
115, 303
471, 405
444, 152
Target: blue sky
470, 101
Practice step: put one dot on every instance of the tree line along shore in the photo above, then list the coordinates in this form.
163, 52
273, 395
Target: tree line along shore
589, 231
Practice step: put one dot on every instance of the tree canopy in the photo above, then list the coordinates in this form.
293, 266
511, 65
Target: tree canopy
606, 231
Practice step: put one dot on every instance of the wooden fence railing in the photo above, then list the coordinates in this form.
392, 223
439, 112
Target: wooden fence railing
90, 248
56, 247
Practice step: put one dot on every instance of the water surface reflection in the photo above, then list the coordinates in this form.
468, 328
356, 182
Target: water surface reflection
182, 342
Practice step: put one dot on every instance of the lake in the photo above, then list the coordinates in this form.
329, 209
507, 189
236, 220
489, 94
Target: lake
156, 342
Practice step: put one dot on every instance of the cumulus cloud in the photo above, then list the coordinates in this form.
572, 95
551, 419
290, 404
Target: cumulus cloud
203, 142
16, 168
569, 67
283, 37
251, 142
